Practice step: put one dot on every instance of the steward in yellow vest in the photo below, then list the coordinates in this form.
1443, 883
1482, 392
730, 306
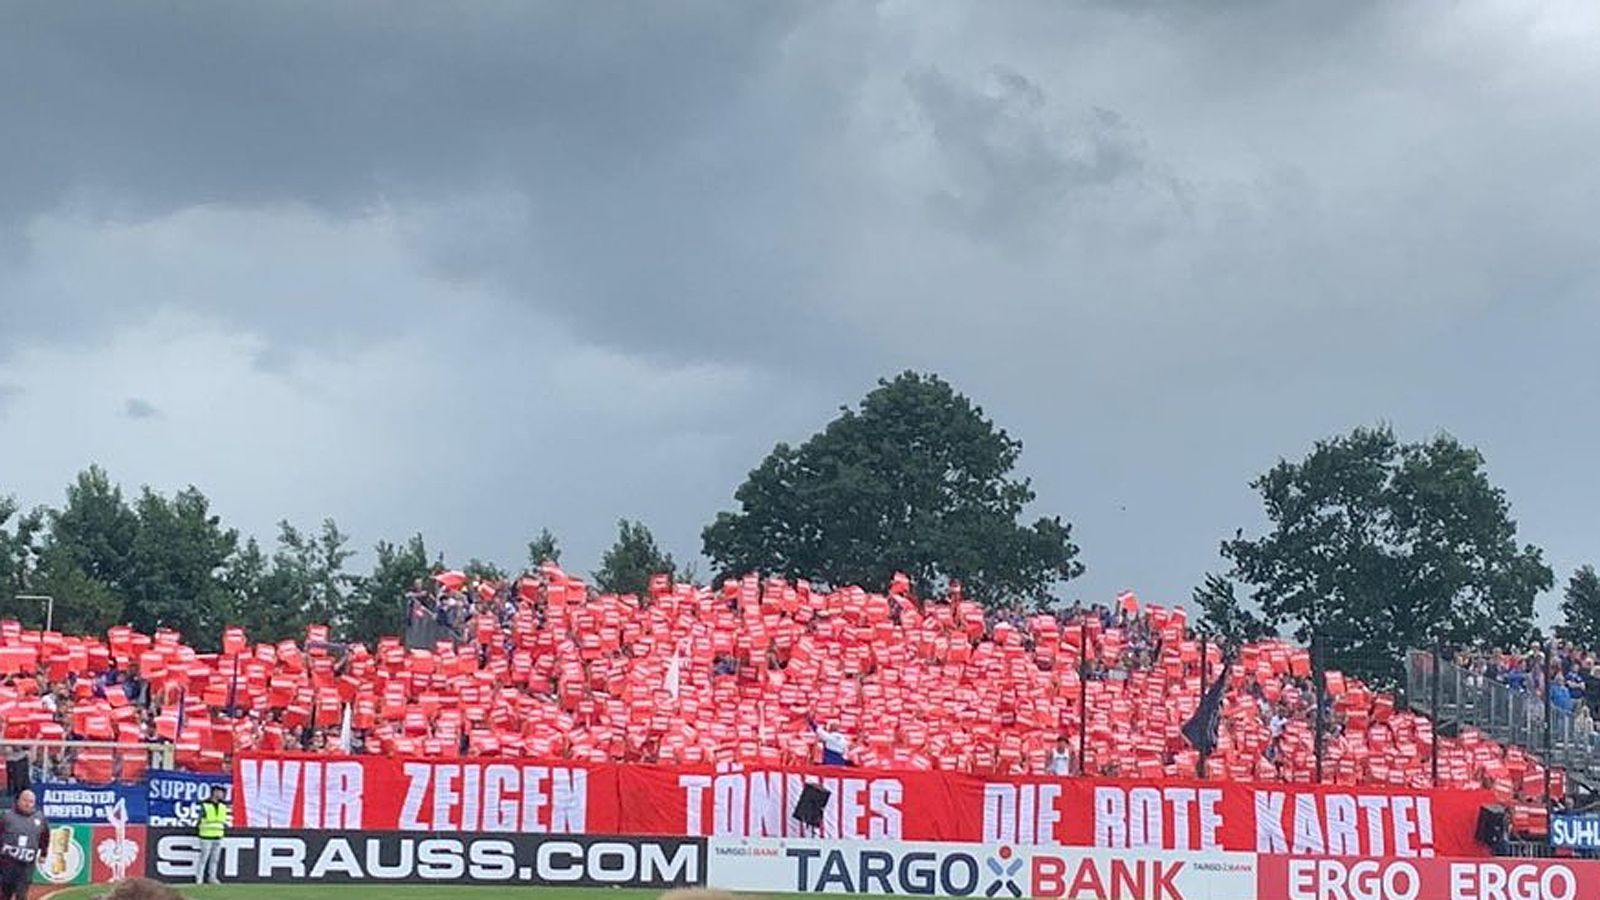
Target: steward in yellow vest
213, 826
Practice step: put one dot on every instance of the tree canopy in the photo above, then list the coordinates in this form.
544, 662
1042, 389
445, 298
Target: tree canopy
543, 549
628, 565
1378, 546
1580, 609
1225, 615
916, 480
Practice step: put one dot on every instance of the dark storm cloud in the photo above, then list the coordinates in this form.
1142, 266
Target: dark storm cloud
586, 113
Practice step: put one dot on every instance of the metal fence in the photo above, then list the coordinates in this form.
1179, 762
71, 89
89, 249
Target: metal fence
1458, 698
90, 762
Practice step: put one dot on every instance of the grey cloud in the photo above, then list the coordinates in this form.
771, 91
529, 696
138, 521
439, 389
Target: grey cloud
1014, 168
135, 408
583, 111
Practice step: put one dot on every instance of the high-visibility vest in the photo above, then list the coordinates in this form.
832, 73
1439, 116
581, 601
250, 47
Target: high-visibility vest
213, 820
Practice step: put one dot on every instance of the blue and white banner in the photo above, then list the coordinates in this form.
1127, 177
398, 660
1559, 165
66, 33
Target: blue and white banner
81, 804
175, 797
1577, 831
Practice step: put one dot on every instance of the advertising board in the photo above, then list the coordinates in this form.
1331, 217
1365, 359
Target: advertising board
1285, 878
175, 797
1575, 831
790, 866
327, 857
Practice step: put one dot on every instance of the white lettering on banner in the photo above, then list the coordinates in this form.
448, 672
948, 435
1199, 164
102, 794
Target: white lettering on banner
1332, 879
1344, 824
494, 797
761, 804
1136, 818
1575, 831
1021, 813
1498, 881
325, 795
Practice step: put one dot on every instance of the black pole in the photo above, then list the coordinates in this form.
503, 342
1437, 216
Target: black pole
1083, 696
1205, 676
1549, 722
1438, 673
1319, 678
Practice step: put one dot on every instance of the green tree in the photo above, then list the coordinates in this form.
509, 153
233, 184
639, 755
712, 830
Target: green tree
95, 531
378, 603
331, 584
261, 604
19, 547
176, 567
916, 480
1580, 609
627, 566
1224, 615
307, 583
542, 549
484, 571
1378, 546
83, 605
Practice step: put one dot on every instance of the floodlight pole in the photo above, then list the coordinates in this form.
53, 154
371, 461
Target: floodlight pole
49, 608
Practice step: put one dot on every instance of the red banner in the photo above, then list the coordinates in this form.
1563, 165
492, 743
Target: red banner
496, 795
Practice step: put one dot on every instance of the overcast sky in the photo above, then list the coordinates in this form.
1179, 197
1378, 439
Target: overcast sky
478, 268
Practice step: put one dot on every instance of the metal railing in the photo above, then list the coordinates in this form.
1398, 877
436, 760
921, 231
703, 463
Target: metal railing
1522, 718
86, 761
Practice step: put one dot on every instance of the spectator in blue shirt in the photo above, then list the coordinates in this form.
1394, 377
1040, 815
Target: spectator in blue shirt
1561, 696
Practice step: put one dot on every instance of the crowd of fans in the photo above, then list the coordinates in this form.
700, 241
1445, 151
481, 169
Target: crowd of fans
765, 672
1556, 670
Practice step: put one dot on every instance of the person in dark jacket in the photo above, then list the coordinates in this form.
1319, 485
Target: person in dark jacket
24, 838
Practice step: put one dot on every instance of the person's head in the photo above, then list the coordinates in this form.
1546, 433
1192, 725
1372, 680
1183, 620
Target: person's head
141, 889
26, 802
217, 794
1061, 744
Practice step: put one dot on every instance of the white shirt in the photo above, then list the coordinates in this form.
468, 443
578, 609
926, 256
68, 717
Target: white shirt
833, 740
1060, 762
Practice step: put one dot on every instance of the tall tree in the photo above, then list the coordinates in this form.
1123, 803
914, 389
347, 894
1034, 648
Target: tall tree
19, 546
1580, 609
262, 604
176, 567
1226, 616
1378, 546
916, 480
378, 603
542, 549
95, 530
331, 584
308, 580
628, 565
